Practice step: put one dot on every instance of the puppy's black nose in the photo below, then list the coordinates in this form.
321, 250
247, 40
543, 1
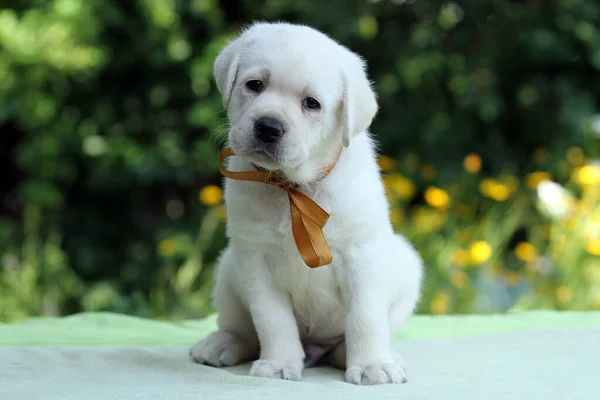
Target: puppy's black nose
268, 129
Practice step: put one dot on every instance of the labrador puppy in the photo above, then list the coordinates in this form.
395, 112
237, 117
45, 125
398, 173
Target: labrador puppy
315, 99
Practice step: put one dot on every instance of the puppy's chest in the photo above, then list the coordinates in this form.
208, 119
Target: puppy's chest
316, 295
261, 217
266, 211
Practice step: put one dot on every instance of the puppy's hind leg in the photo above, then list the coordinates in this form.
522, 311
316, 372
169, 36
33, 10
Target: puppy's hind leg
409, 286
235, 341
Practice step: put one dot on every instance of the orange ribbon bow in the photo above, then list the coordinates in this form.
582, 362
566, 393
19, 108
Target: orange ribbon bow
308, 219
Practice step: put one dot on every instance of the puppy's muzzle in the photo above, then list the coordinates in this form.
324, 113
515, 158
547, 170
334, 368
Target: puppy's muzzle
268, 130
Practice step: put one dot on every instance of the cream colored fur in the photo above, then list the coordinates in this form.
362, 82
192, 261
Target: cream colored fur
269, 302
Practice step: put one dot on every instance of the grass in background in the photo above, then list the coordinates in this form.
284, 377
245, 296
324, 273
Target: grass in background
492, 244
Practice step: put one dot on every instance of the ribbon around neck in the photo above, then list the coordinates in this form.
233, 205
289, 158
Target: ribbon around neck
308, 219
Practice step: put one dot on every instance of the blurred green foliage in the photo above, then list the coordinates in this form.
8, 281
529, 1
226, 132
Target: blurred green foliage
109, 126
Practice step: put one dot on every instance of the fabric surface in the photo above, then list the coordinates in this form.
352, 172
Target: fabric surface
103, 356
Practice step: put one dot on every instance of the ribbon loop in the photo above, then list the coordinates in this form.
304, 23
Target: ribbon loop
308, 218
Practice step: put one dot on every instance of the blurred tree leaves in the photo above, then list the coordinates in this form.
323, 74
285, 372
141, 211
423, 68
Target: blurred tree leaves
108, 112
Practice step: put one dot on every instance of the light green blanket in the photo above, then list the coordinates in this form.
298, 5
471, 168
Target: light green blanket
534, 355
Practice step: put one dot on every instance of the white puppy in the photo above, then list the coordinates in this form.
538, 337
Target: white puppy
295, 98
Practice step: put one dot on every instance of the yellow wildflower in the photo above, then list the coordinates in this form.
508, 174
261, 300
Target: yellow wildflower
494, 189
535, 178
459, 279
400, 186
386, 163
592, 246
167, 247
437, 197
461, 257
210, 195
472, 163
588, 175
575, 156
480, 252
428, 171
526, 251
440, 303
564, 294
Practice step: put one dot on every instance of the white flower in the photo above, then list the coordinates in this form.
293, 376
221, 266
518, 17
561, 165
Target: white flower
554, 200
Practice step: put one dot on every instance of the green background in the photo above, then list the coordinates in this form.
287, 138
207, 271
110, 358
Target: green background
109, 124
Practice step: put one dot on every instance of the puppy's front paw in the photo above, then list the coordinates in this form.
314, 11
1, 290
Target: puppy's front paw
376, 373
291, 371
219, 349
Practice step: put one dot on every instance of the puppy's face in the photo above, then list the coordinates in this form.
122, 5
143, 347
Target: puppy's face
283, 105
288, 92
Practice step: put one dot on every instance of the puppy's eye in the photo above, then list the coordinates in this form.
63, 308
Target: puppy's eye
311, 103
254, 85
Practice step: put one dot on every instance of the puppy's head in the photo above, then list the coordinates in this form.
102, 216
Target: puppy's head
294, 97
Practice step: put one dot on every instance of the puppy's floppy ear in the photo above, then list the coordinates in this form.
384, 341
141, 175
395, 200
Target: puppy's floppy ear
359, 102
226, 67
